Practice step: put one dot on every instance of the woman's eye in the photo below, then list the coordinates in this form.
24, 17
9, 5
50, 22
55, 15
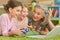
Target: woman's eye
38, 13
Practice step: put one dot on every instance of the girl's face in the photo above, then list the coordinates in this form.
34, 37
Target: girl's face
15, 11
24, 12
37, 14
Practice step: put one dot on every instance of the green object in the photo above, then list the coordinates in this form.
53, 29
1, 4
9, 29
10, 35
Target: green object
32, 33
27, 34
33, 1
56, 20
32, 5
55, 15
22, 35
24, 38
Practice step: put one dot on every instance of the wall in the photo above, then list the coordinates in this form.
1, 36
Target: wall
23, 1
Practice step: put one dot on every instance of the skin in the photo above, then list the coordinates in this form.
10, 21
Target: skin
37, 14
13, 12
23, 14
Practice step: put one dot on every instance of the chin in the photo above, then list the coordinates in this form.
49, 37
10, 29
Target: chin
35, 19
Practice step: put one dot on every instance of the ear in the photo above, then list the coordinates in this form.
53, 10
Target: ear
10, 9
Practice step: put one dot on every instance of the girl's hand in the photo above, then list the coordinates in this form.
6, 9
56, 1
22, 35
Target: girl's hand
18, 32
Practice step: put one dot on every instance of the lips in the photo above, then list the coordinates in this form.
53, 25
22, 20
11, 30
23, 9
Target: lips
22, 17
35, 17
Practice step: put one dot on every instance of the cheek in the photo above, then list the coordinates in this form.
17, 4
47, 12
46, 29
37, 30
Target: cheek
40, 16
13, 12
23, 13
26, 13
17, 13
35, 15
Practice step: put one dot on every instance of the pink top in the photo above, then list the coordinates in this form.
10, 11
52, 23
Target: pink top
6, 24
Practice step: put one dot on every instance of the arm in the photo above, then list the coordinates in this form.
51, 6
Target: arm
51, 25
17, 32
5, 28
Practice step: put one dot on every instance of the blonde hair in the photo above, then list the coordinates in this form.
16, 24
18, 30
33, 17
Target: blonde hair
43, 20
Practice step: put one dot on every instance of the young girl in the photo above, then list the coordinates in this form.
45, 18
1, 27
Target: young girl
8, 19
39, 20
23, 20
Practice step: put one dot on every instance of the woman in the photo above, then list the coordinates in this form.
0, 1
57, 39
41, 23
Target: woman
39, 19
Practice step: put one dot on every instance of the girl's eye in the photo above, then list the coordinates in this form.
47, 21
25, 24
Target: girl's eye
18, 10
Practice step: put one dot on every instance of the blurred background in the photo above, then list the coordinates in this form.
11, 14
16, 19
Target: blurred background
46, 4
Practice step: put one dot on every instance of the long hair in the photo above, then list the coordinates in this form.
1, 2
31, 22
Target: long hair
12, 4
42, 20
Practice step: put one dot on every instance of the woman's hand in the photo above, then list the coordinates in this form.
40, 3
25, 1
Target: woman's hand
51, 25
49, 13
31, 27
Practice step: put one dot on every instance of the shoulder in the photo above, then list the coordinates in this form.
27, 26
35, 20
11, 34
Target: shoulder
4, 15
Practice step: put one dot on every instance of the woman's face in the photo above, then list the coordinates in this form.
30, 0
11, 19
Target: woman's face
15, 11
24, 12
37, 14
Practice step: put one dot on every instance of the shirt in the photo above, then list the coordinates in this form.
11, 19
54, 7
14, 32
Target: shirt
6, 24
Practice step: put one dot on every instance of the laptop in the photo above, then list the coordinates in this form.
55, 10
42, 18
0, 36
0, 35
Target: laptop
52, 33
